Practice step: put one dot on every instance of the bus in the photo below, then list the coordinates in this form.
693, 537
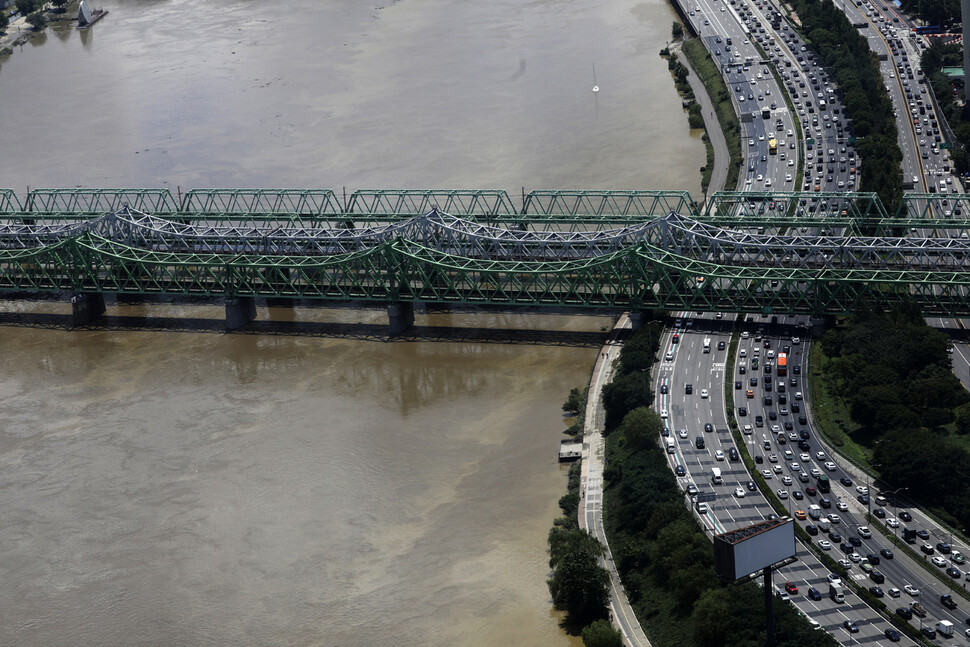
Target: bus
772, 146
782, 364
823, 484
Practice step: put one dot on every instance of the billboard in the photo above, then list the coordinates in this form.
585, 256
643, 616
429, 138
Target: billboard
743, 551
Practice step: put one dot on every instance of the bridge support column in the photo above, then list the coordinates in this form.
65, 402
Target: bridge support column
239, 312
636, 320
400, 317
86, 307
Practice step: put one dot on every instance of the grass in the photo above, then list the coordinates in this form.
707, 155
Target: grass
710, 76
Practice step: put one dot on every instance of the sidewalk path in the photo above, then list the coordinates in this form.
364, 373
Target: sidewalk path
591, 487
722, 158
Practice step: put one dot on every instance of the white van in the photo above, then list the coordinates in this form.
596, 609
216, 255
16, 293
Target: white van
671, 446
707, 344
716, 476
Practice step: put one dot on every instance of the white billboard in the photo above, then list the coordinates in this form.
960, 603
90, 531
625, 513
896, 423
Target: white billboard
744, 551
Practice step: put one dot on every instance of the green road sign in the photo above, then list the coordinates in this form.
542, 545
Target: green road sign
946, 146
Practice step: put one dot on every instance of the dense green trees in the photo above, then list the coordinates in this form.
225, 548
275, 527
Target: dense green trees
27, 7
957, 115
677, 30
4, 21
855, 69
574, 402
602, 634
935, 12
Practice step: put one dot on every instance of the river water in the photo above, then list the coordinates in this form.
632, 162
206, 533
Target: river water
171, 485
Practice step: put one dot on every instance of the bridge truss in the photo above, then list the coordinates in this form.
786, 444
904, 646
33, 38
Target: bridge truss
633, 250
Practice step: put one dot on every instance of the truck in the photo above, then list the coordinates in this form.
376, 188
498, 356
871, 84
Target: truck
707, 344
836, 592
909, 535
815, 512
671, 446
947, 600
917, 609
782, 364
944, 628
824, 524
823, 484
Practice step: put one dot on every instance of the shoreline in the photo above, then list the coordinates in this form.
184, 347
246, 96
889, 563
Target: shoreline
19, 33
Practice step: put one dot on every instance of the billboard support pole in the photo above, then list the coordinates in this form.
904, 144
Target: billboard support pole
769, 614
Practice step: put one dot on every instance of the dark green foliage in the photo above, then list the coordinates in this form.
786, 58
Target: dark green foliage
641, 427
37, 20
623, 394
677, 30
934, 58
27, 7
935, 12
573, 402
602, 634
4, 21
579, 585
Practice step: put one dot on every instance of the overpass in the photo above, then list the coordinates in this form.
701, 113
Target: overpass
816, 254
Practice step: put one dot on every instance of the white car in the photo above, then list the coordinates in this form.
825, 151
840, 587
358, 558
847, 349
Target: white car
766, 473
841, 506
816, 472
704, 394
893, 592
748, 430
862, 489
702, 508
796, 340
663, 414
824, 544
772, 458
892, 523
864, 532
786, 480
820, 456
776, 469
719, 455
834, 578
739, 492
682, 433
805, 458
855, 557
939, 561
912, 590
830, 466
745, 335
782, 494
846, 564
834, 518
798, 395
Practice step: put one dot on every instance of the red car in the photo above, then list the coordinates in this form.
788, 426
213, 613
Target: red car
810, 491
791, 588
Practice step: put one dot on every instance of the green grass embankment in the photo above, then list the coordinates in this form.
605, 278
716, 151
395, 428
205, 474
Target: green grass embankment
709, 74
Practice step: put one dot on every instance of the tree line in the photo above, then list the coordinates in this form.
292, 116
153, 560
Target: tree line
957, 115
945, 13
893, 373
855, 68
664, 558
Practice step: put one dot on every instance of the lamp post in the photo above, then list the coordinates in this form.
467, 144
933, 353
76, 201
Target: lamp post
901, 489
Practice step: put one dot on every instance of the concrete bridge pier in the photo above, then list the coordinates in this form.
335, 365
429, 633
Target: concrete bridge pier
239, 312
400, 317
86, 307
636, 319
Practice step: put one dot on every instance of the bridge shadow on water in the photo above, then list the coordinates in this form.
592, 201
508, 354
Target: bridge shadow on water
355, 331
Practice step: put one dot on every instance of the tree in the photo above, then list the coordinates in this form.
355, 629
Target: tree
677, 30
37, 20
573, 403
641, 427
579, 585
4, 21
27, 7
602, 634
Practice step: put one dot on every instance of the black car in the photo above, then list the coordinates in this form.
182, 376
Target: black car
905, 516
802, 420
873, 559
759, 459
885, 552
846, 481
834, 536
814, 594
708, 427
863, 499
797, 495
904, 612
922, 534
877, 577
753, 381
929, 632
825, 502
752, 487
759, 421
737, 385
811, 529
720, 345
688, 389
742, 411
663, 388
772, 415
851, 627
789, 426
699, 442
795, 407
804, 434
796, 369
767, 400
892, 635
953, 572
880, 513
804, 446
680, 471
855, 541
733, 454
943, 547
876, 591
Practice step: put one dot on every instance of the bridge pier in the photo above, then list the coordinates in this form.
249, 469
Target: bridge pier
400, 317
86, 307
636, 320
239, 312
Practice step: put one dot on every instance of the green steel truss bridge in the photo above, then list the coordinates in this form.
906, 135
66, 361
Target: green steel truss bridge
795, 253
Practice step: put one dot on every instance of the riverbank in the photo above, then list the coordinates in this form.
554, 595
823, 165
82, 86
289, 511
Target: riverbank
19, 32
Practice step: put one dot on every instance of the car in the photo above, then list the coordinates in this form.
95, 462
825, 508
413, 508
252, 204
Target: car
835, 537
911, 590
782, 494
663, 388
786, 480
680, 470
879, 513
708, 427
854, 557
877, 577
811, 491
835, 519
748, 429
866, 566
824, 544
742, 411
850, 626
876, 591
719, 455
663, 414
954, 572
947, 600
811, 529
752, 487
927, 549
820, 456
759, 459
766, 473
733, 454
772, 458
873, 558
776, 469
841, 505
737, 385
830, 466
957, 557
815, 472
864, 532
929, 632
904, 612
846, 564
922, 534
905, 516
804, 457
863, 499
834, 578
943, 547
892, 635
938, 561
894, 592
892, 523
692, 489
815, 594
791, 588
855, 541
886, 553
862, 489
800, 515
846, 481
682, 433
704, 394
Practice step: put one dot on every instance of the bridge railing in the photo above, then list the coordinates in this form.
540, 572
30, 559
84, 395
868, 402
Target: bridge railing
85, 202
382, 205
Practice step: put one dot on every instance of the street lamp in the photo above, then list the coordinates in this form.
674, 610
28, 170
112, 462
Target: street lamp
895, 518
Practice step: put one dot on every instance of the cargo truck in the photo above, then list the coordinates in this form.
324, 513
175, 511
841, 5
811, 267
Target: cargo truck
945, 628
815, 512
836, 593
909, 535
782, 364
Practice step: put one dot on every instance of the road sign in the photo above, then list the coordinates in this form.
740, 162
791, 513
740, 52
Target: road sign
704, 497
946, 146
852, 140
809, 141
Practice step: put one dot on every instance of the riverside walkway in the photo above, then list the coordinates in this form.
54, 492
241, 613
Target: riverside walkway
591, 486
